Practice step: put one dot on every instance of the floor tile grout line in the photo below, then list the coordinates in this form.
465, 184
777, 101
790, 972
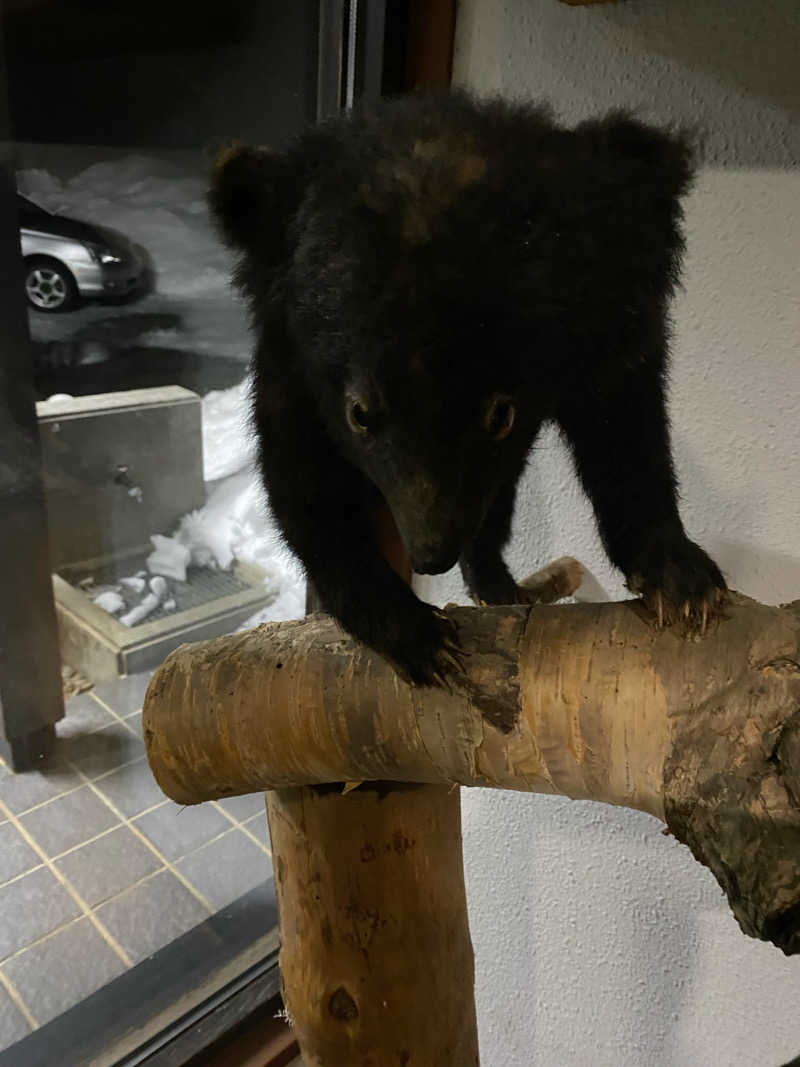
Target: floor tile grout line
236, 822
17, 877
113, 770
44, 803
82, 844
65, 882
252, 836
132, 886
100, 904
166, 865
75, 788
117, 716
121, 825
205, 844
18, 999
241, 826
145, 878
40, 940
156, 851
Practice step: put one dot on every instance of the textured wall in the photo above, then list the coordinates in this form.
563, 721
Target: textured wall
599, 942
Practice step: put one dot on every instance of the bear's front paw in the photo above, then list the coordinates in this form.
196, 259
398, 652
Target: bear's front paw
427, 652
678, 582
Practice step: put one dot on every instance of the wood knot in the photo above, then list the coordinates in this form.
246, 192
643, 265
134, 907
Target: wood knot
400, 843
342, 1006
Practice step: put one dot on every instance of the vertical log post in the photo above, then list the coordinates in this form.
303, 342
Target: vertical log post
376, 958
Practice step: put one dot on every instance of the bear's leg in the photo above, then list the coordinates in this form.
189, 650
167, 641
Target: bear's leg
322, 505
484, 570
619, 436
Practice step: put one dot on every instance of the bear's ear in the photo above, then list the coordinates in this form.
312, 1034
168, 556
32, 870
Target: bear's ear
250, 197
635, 153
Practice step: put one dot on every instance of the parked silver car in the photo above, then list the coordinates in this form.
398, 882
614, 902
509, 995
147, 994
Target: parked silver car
66, 259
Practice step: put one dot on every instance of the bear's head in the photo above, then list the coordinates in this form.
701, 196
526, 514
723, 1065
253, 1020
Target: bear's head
430, 277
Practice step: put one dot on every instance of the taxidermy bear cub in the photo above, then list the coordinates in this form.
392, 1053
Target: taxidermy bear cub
430, 281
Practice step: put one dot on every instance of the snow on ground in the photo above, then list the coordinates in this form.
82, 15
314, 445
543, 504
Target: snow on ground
161, 207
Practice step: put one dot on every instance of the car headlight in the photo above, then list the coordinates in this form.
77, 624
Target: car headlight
101, 254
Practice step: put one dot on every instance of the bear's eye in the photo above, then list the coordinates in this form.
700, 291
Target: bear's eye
500, 418
357, 416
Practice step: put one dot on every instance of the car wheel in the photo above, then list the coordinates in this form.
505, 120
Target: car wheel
49, 286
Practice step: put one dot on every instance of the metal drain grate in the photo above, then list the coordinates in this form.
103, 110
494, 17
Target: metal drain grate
202, 586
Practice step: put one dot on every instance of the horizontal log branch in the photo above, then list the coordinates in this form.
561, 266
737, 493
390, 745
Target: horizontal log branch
586, 700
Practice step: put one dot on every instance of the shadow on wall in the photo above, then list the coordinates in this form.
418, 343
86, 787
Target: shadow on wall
751, 45
729, 70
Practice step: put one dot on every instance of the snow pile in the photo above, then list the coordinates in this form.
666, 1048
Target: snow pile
228, 444
235, 523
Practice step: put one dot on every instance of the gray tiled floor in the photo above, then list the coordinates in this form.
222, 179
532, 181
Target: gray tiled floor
151, 914
16, 855
31, 907
176, 831
22, 791
84, 715
94, 753
257, 825
125, 695
132, 789
117, 870
12, 1021
68, 821
63, 969
135, 721
107, 866
226, 868
242, 808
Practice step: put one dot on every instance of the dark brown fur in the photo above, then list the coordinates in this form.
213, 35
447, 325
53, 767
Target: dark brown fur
420, 276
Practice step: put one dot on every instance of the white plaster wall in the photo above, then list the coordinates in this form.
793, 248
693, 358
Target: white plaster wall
599, 942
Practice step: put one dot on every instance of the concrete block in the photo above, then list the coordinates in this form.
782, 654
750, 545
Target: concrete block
119, 467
